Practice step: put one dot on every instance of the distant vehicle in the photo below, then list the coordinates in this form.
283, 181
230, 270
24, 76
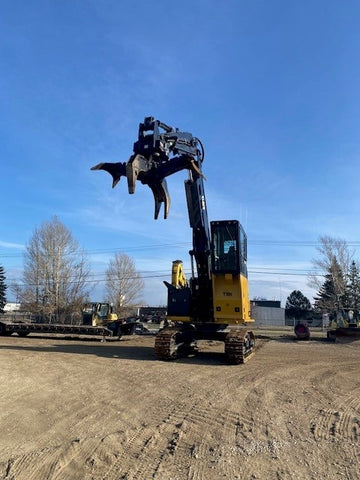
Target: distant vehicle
344, 323
302, 331
97, 319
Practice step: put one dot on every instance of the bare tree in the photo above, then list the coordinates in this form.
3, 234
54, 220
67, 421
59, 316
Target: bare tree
55, 272
334, 252
3, 288
124, 284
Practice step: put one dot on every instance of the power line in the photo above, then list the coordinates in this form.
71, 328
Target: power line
162, 274
274, 243
100, 251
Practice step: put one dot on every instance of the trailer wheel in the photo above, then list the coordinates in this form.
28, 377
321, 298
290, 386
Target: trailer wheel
23, 334
3, 331
331, 336
118, 332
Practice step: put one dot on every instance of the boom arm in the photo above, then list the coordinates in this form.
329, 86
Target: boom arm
159, 152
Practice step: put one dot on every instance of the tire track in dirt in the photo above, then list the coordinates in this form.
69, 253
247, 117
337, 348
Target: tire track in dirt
155, 445
196, 419
60, 462
220, 428
341, 421
340, 425
191, 430
259, 433
177, 447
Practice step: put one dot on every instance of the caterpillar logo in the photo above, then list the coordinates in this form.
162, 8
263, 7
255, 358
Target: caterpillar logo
227, 294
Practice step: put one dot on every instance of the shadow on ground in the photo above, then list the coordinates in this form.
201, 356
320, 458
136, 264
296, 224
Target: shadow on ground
208, 354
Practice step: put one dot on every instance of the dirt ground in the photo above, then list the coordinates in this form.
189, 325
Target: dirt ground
86, 410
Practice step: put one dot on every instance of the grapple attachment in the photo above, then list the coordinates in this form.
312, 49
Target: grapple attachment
116, 170
156, 156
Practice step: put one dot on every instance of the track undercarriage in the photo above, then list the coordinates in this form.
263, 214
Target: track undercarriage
181, 340
347, 332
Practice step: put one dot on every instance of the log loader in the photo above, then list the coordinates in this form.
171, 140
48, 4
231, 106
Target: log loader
214, 304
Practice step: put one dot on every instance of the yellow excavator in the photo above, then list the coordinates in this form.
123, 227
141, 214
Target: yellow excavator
214, 303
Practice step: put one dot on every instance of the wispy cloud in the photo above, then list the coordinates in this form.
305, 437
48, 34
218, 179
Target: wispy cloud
16, 246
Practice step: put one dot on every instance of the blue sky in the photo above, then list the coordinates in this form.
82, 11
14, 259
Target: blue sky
270, 88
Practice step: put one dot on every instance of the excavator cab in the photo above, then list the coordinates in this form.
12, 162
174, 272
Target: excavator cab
229, 248
229, 272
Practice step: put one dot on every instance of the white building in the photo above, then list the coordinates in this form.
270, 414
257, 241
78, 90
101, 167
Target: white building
12, 307
267, 313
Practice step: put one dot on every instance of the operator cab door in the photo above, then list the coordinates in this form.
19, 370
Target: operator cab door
229, 248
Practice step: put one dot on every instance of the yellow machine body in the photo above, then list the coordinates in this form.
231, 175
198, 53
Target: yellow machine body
225, 296
231, 304
231, 299
180, 318
98, 319
98, 314
178, 278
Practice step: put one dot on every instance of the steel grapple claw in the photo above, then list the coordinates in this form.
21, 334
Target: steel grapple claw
136, 168
116, 170
161, 195
147, 172
159, 152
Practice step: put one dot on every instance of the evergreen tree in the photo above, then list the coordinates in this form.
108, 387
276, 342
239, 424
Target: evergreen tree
332, 293
353, 288
325, 300
3, 288
297, 305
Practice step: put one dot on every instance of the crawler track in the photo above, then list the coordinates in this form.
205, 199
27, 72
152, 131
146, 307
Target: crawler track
173, 342
167, 343
239, 346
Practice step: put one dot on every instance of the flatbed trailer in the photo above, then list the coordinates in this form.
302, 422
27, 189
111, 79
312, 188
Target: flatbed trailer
116, 329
